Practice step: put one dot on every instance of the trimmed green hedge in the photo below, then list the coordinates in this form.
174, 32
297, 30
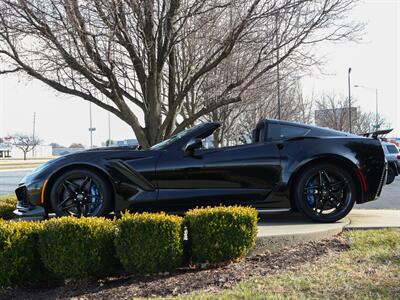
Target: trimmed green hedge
7, 206
19, 255
149, 243
145, 243
219, 234
76, 248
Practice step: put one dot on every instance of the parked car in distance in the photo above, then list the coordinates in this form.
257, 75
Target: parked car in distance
319, 171
393, 158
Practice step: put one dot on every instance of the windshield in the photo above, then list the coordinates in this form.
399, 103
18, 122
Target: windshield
164, 144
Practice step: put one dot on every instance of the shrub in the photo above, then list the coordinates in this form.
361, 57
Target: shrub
19, 257
7, 206
78, 247
149, 243
220, 233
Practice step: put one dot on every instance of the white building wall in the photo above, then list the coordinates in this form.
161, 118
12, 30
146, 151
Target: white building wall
41, 151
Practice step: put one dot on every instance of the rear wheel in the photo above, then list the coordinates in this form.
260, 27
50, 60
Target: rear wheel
81, 193
325, 193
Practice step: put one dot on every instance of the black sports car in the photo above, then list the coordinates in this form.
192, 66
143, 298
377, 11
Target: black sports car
319, 171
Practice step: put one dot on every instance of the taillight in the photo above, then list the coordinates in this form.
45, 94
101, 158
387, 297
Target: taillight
398, 156
364, 182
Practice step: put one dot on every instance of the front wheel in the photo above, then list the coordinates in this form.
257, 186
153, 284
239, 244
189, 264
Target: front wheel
325, 193
81, 193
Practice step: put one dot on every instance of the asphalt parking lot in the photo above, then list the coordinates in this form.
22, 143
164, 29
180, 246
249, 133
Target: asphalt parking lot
10, 179
389, 199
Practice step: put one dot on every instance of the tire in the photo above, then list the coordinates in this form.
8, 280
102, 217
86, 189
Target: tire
390, 176
335, 197
81, 192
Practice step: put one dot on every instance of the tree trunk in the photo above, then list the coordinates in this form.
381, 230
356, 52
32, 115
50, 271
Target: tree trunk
153, 116
171, 91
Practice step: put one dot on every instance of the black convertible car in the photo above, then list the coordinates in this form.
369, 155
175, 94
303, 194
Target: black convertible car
319, 171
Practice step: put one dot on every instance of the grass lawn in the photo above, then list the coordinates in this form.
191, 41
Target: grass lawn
369, 270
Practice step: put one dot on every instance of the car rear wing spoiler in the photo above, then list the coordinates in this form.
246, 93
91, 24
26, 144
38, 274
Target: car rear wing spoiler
377, 133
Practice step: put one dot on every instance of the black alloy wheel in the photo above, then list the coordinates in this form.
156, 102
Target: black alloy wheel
81, 193
325, 193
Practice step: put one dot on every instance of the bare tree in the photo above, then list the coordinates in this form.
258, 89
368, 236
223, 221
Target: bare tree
25, 142
333, 112
145, 58
77, 145
261, 103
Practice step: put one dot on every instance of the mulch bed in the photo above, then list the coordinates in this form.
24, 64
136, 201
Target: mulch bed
188, 279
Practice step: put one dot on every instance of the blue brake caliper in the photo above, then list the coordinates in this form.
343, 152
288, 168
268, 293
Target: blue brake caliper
310, 196
95, 196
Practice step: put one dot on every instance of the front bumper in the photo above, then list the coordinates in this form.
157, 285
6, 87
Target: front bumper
25, 208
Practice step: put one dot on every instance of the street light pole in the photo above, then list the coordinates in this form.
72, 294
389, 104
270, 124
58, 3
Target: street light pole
33, 134
349, 82
278, 85
376, 108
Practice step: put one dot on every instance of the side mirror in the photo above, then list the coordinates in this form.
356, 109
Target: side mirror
192, 145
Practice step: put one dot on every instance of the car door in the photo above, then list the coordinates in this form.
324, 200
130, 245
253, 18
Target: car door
242, 174
175, 182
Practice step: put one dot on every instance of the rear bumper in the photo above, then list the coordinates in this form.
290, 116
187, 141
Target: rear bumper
375, 182
382, 181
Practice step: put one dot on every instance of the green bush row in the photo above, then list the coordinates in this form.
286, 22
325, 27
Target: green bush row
220, 233
19, 253
7, 206
145, 243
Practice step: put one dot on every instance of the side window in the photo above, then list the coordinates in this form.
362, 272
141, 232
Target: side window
258, 133
278, 132
208, 142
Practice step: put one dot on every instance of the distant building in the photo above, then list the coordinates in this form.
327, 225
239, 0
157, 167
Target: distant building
7, 150
393, 140
325, 117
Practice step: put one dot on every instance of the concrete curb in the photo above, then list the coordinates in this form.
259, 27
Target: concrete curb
374, 219
273, 241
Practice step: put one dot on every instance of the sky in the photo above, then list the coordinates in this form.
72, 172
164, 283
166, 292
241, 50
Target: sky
375, 63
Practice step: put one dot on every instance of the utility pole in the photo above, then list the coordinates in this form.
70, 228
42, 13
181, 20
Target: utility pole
33, 133
109, 127
91, 129
109, 130
349, 82
278, 86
